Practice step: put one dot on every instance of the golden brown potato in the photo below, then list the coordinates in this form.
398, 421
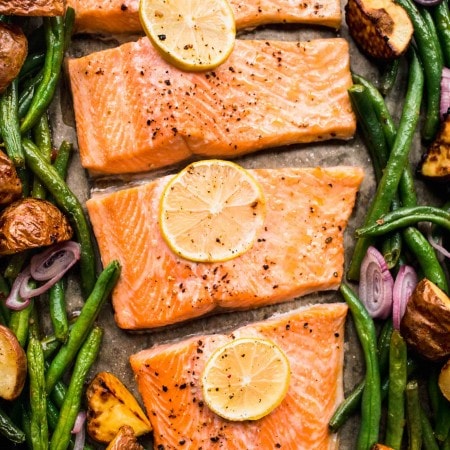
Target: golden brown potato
380, 447
125, 439
10, 184
111, 406
436, 161
426, 323
381, 28
444, 380
13, 51
33, 7
13, 365
30, 223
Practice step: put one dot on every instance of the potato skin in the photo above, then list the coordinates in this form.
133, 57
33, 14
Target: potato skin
125, 439
426, 323
13, 51
10, 184
13, 365
33, 7
30, 223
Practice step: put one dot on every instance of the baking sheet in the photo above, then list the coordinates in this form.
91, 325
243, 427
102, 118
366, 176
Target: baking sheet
118, 345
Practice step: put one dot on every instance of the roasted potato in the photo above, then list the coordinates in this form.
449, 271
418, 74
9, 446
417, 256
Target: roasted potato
13, 51
426, 323
435, 164
381, 28
13, 365
29, 223
125, 439
10, 184
444, 380
380, 447
33, 7
111, 406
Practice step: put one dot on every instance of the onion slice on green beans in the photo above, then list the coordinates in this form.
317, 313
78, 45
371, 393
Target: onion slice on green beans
445, 92
79, 431
404, 285
376, 284
48, 266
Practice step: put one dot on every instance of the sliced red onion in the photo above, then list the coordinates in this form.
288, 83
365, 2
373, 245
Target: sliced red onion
404, 285
54, 261
79, 431
445, 92
428, 2
437, 244
376, 284
14, 300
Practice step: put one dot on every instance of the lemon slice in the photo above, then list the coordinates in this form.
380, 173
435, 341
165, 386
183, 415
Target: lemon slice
246, 379
211, 211
190, 34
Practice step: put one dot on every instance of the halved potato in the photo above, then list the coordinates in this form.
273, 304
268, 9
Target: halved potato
125, 439
426, 323
444, 380
10, 184
381, 28
33, 7
13, 365
111, 406
30, 223
435, 163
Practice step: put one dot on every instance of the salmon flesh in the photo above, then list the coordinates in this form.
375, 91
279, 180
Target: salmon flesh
134, 112
298, 251
169, 381
122, 16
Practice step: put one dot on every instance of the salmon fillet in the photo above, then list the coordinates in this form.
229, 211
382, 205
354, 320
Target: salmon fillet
122, 16
298, 251
134, 112
169, 381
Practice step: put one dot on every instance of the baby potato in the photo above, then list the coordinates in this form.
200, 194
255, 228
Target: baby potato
30, 223
13, 51
10, 184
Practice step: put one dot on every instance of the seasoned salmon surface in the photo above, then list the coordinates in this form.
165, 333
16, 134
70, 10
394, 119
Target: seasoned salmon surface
298, 251
134, 112
169, 380
122, 16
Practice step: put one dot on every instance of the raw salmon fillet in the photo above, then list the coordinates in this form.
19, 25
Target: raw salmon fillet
169, 380
122, 16
298, 251
134, 112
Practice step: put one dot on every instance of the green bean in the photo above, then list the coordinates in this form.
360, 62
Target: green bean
52, 414
71, 406
15, 265
427, 48
392, 249
370, 127
9, 124
27, 94
396, 396
428, 438
388, 185
83, 324
26, 423
38, 397
389, 76
19, 323
371, 398
440, 406
353, 401
54, 36
9, 429
441, 17
4, 292
426, 257
428, 19
50, 345
33, 63
69, 21
70, 204
413, 413
58, 313
403, 217
61, 163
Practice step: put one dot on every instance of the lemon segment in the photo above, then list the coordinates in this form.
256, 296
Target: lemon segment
246, 379
211, 211
193, 35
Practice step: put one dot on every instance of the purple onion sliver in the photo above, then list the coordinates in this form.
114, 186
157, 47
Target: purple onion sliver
405, 282
14, 300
